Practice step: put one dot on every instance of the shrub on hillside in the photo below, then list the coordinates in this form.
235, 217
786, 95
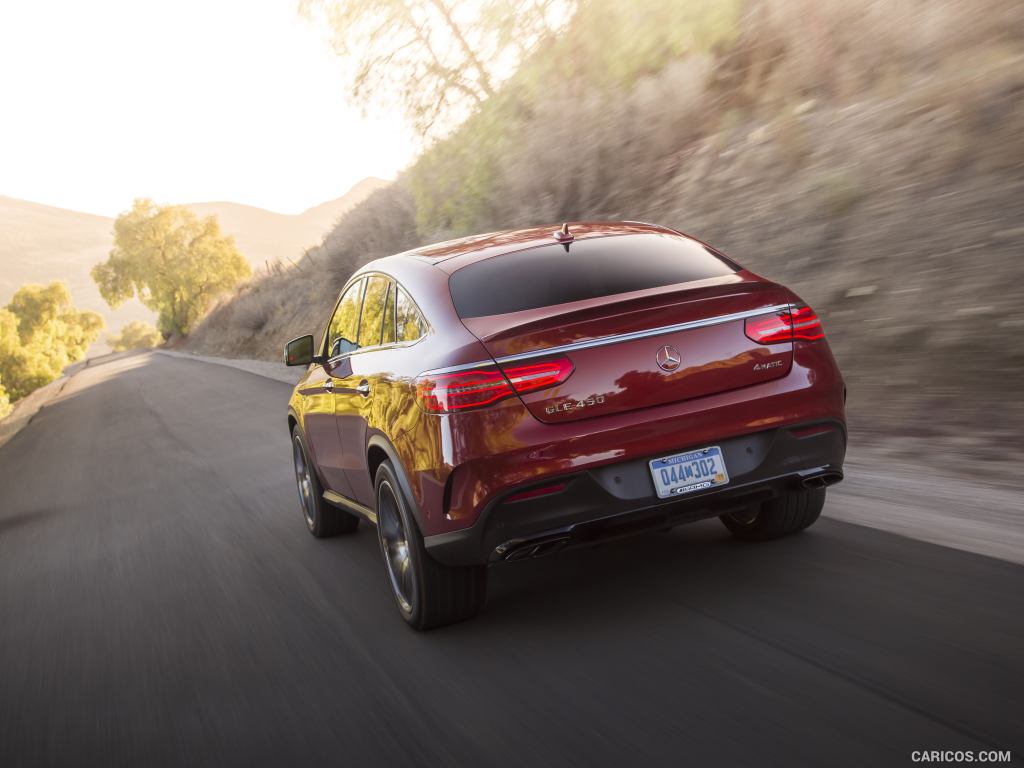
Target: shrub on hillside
5, 401
135, 335
41, 333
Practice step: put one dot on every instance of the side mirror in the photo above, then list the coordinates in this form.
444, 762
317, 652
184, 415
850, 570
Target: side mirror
299, 351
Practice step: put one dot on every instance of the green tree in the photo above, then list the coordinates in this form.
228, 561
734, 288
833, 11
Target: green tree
41, 333
9, 345
439, 58
5, 401
175, 262
135, 335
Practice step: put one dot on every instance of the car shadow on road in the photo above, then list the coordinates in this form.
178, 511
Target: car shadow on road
31, 517
616, 580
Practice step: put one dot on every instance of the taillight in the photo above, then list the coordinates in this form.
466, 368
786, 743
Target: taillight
448, 392
533, 376
800, 323
806, 325
456, 391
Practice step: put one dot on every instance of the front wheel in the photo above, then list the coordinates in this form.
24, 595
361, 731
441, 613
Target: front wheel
322, 519
428, 593
791, 512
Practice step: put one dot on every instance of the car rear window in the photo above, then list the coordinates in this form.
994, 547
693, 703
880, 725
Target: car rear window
593, 268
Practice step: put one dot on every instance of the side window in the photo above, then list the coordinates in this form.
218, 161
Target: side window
344, 327
373, 310
389, 316
409, 320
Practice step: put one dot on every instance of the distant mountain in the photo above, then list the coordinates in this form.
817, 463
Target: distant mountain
40, 243
264, 236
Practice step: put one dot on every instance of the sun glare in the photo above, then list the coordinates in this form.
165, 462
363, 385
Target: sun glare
182, 102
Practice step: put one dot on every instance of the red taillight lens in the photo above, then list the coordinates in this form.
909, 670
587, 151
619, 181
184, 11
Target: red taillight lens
769, 329
457, 391
448, 392
806, 325
800, 323
533, 376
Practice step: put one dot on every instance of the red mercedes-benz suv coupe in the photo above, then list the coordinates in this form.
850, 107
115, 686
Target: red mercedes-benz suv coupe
505, 396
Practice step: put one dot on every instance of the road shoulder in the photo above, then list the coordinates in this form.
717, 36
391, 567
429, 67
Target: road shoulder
27, 407
916, 500
276, 371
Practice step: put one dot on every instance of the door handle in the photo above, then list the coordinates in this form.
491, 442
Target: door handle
363, 388
329, 385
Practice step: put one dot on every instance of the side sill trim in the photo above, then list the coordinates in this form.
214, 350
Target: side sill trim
350, 506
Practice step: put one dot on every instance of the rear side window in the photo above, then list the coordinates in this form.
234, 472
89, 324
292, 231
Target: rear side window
373, 311
602, 266
389, 317
408, 318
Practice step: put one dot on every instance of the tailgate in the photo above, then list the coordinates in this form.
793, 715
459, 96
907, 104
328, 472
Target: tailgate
681, 344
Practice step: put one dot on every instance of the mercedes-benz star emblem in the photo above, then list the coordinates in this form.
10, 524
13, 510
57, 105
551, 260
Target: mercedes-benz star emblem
668, 358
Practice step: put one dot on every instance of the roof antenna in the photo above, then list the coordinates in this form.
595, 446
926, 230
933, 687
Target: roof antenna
564, 236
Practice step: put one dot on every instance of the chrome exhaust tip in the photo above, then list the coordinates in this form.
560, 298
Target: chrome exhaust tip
530, 549
821, 479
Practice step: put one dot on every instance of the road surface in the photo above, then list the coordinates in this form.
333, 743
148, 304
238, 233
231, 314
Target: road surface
161, 603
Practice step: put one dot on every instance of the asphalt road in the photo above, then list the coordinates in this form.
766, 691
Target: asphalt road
162, 603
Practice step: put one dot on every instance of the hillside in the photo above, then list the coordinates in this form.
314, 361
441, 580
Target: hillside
40, 243
871, 158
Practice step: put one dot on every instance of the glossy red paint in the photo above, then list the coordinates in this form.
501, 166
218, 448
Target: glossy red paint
456, 464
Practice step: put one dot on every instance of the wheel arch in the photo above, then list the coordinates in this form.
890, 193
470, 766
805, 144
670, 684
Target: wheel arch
293, 423
379, 449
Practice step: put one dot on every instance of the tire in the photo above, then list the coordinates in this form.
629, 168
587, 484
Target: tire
789, 513
428, 594
322, 519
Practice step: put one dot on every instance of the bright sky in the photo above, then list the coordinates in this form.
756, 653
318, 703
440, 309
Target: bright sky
102, 101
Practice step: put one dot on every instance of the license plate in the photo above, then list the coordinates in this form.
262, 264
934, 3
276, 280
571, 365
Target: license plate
684, 473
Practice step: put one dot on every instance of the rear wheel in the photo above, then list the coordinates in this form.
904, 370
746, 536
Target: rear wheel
791, 512
428, 593
322, 519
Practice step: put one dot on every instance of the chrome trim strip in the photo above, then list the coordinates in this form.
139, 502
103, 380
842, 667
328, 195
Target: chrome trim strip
457, 368
606, 340
623, 337
376, 348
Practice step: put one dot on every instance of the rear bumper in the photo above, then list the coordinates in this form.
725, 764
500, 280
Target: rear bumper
619, 499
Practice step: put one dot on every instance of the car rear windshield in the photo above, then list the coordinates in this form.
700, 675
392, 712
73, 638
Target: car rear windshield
593, 268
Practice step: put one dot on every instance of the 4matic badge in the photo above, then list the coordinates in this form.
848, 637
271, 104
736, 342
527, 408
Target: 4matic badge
768, 365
